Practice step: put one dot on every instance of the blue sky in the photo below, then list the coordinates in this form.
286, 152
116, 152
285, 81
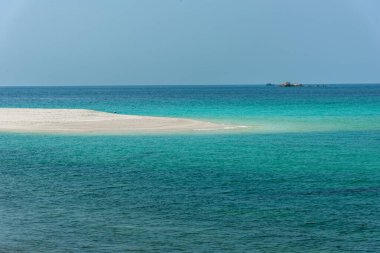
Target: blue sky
188, 41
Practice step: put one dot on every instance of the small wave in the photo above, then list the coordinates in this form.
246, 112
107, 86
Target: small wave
234, 127
222, 128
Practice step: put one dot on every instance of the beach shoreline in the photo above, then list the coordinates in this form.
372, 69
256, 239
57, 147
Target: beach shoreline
83, 121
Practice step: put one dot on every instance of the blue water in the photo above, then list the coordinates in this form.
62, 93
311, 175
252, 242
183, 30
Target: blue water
310, 184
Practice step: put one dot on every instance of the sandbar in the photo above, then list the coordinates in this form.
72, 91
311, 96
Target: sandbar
81, 121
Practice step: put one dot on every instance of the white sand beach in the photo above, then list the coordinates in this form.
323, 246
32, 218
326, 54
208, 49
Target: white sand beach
89, 121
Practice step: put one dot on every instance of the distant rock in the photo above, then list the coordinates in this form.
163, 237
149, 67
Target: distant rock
289, 84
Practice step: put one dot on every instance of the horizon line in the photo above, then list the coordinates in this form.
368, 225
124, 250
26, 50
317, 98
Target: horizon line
172, 84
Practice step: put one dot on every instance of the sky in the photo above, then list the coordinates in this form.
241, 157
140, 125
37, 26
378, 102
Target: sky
130, 42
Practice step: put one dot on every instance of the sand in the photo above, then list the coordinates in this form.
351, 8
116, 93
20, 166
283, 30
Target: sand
93, 122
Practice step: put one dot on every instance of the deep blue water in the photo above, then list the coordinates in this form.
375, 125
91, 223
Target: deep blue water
312, 186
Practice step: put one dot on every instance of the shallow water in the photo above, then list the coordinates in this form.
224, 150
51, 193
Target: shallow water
265, 109
315, 190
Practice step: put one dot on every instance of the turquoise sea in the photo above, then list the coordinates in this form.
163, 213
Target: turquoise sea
303, 177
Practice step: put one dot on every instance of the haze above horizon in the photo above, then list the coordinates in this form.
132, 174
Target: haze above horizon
117, 42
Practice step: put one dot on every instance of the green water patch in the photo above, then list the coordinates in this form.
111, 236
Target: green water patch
270, 192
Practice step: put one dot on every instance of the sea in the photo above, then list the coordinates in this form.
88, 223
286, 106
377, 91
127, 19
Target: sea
302, 176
